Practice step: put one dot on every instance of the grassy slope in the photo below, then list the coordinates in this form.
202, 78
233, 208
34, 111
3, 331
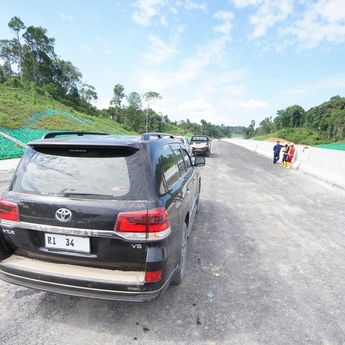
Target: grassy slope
297, 135
18, 105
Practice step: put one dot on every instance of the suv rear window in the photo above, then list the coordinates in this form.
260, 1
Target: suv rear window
199, 138
89, 173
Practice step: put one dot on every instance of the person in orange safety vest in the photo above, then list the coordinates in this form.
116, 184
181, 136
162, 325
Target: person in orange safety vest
290, 156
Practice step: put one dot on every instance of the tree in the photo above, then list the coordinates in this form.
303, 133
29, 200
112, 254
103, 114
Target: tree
67, 77
295, 115
134, 100
119, 94
2, 74
150, 97
39, 55
16, 25
250, 130
266, 126
116, 101
88, 92
9, 55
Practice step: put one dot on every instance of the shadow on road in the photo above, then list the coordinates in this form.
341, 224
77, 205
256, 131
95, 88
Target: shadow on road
219, 291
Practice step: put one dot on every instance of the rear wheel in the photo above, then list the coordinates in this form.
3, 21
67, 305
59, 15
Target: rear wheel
181, 271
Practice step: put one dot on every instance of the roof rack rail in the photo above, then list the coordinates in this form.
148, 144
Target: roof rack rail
79, 134
156, 135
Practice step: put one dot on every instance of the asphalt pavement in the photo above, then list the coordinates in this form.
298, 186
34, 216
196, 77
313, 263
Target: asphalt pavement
266, 266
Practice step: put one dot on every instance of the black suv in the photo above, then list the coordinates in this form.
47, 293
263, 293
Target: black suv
100, 215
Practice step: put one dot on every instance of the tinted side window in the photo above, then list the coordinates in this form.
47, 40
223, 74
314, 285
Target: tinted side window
169, 167
180, 161
186, 159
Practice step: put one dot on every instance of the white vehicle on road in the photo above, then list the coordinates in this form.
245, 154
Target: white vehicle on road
185, 141
201, 145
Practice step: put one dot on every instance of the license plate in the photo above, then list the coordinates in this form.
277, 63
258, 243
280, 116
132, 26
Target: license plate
67, 242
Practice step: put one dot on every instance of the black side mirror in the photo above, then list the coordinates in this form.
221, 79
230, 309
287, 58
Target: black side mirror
199, 161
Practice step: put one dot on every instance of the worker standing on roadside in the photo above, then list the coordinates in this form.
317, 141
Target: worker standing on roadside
290, 155
276, 152
285, 153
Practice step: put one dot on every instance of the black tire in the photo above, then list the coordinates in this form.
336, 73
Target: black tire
181, 271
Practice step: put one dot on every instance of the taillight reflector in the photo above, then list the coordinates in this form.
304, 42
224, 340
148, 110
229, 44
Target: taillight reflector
154, 220
154, 276
9, 210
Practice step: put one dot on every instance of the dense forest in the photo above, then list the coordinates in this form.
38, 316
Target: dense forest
29, 61
321, 124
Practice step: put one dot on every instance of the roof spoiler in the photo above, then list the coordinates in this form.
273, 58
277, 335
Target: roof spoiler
79, 134
156, 135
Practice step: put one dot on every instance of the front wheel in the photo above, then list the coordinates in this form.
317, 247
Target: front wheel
181, 271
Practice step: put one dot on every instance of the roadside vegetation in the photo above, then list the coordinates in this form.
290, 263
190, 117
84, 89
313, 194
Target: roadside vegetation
322, 124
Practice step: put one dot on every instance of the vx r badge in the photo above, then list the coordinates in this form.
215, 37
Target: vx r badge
63, 215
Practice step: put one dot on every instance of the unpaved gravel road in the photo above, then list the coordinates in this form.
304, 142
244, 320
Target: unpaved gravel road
266, 266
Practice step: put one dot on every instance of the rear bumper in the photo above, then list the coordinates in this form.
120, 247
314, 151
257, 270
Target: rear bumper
45, 276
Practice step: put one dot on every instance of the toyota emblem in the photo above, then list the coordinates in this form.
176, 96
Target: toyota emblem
63, 215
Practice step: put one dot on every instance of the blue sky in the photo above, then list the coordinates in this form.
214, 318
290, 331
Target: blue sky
227, 61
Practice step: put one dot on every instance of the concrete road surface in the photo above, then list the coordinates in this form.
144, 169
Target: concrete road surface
266, 266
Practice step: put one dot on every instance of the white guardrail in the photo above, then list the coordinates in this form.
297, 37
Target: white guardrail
328, 165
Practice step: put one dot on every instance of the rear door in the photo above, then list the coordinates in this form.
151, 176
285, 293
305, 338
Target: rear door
69, 199
193, 179
188, 178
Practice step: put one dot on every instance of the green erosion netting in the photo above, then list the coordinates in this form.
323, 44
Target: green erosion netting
340, 147
29, 131
37, 117
8, 149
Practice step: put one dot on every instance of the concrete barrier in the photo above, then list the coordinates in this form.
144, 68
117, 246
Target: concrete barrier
328, 165
9, 164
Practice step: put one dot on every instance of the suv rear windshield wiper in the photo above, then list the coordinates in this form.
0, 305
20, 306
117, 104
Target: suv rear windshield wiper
89, 195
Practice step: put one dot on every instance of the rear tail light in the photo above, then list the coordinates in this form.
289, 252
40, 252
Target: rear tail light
154, 220
9, 210
136, 224
153, 277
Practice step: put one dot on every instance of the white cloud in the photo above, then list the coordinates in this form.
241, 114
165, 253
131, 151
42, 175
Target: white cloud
226, 18
269, 14
146, 10
196, 105
194, 5
322, 22
223, 28
336, 82
163, 21
227, 83
315, 23
246, 104
160, 51
224, 15
150, 76
245, 3
67, 18
331, 10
